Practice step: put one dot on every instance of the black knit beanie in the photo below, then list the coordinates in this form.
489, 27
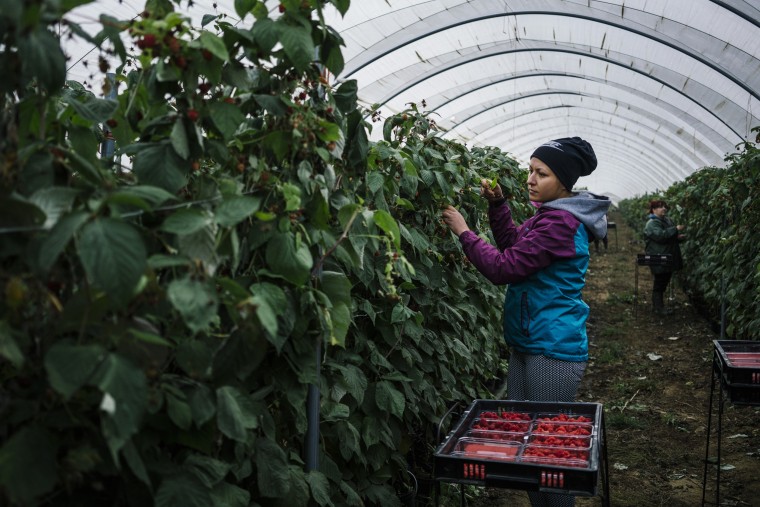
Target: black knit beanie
569, 158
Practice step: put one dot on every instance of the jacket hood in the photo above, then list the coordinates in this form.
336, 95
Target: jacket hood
590, 209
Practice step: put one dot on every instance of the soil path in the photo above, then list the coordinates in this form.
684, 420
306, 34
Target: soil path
654, 375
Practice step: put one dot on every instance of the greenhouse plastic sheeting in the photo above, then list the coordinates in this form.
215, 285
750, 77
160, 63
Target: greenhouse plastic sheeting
660, 88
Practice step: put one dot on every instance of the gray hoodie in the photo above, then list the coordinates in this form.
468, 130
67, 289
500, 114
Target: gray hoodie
590, 209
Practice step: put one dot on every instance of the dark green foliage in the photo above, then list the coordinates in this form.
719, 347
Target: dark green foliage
159, 321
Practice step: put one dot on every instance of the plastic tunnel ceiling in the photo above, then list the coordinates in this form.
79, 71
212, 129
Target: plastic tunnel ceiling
661, 88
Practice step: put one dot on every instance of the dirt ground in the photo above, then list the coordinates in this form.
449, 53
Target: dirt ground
653, 376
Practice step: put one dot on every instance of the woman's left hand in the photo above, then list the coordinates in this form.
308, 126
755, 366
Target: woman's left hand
454, 220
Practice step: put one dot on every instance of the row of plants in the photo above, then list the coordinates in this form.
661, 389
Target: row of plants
162, 321
720, 208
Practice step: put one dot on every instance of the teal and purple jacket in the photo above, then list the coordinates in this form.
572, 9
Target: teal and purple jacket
544, 263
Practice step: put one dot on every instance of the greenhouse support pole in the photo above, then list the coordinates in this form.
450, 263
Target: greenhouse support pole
312, 402
723, 293
313, 395
722, 307
108, 145
312, 416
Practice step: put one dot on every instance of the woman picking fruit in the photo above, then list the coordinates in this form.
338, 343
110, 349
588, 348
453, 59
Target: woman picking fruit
544, 263
662, 237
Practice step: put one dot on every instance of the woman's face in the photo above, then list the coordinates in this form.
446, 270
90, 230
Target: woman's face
543, 185
660, 212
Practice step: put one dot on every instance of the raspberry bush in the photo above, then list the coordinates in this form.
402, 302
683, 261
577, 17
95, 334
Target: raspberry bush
161, 320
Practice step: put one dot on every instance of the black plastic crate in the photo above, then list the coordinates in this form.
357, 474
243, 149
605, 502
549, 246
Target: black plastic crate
576, 475
743, 394
738, 361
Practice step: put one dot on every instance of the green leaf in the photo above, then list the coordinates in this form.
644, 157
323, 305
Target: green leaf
19, 213
279, 143
178, 139
194, 356
186, 221
235, 413
136, 464
179, 411
201, 247
195, 300
157, 164
297, 43
265, 33
42, 59
210, 471
159, 261
208, 18
355, 381
388, 129
272, 103
347, 212
28, 465
349, 439
375, 181
67, 5
166, 72
126, 384
8, 347
385, 221
320, 487
332, 411
202, 404
290, 261
59, 238
243, 7
272, 469
352, 496
150, 196
340, 319
69, 367
37, 172
341, 5
54, 202
269, 300
225, 494
92, 108
227, 118
86, 167
113, 31
345, 96
337, 286
292, 195
182, 489
389, 399
372, 429
401, 313
150, 338
214, 45
331, 54
113, 256
328, 131
236, 209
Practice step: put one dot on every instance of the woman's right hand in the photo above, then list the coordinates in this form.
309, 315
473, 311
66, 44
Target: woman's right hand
491, 194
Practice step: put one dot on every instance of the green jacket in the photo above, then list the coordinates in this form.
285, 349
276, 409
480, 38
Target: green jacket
662, 238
